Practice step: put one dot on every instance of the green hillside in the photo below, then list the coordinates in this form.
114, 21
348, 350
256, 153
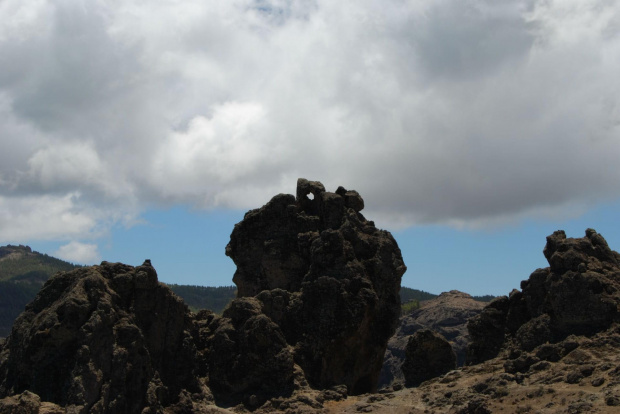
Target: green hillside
409, 294
205, 297
22, 273
21, 264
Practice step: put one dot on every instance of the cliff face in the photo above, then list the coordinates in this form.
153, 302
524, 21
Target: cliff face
579, 293
327, 276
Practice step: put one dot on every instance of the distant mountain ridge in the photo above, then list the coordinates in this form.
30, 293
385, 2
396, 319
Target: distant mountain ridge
22, 273
409, 294
205, 297
22, 264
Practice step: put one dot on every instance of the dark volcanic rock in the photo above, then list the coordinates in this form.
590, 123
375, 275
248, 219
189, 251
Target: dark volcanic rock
327, 276
248, 354
447, 314
428, 355
318, 299
579, 293
98, 339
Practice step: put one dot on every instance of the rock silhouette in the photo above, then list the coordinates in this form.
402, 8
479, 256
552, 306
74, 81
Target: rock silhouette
100, 339
318, 299
579, 293
327, 276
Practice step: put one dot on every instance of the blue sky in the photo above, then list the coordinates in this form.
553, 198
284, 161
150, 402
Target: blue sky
473, 129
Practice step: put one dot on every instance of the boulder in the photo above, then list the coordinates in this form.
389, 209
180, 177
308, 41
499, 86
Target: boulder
249, 355
427, 355
447, 314
327, 276
579, 293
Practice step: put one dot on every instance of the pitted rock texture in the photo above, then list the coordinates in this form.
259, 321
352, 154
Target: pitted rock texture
447, 314
106, 338
248, 354
579, 293
112, 339
327, 277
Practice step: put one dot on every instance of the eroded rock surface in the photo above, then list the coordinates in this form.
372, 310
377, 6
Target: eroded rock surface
579, 293
100, 339
327, 277
248, 354
318, 299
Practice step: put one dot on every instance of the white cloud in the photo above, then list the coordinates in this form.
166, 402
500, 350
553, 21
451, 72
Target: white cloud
46, 217
458, 112
77, 252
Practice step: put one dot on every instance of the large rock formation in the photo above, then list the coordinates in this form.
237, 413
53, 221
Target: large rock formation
447, 314
248, 354
579, 293
106, 338
327, 277
318, 300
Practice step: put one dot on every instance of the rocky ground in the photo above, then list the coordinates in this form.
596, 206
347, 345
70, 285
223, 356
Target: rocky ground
585, 380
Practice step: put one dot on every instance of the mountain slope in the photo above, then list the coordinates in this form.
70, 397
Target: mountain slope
21, 264
22, 273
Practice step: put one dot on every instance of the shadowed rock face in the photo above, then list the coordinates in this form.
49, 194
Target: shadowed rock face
327, 276
248, 353
427, 355
112, 339
579, 293
99, 339
318, 300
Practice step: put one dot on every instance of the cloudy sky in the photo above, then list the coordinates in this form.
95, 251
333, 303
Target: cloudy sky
472, 128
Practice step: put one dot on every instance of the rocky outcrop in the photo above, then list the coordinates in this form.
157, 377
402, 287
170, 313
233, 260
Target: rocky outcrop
579, 293
106, 338
427, 355
447, 314
28, 403
318, 299
248, 354
585, 380
327, 277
